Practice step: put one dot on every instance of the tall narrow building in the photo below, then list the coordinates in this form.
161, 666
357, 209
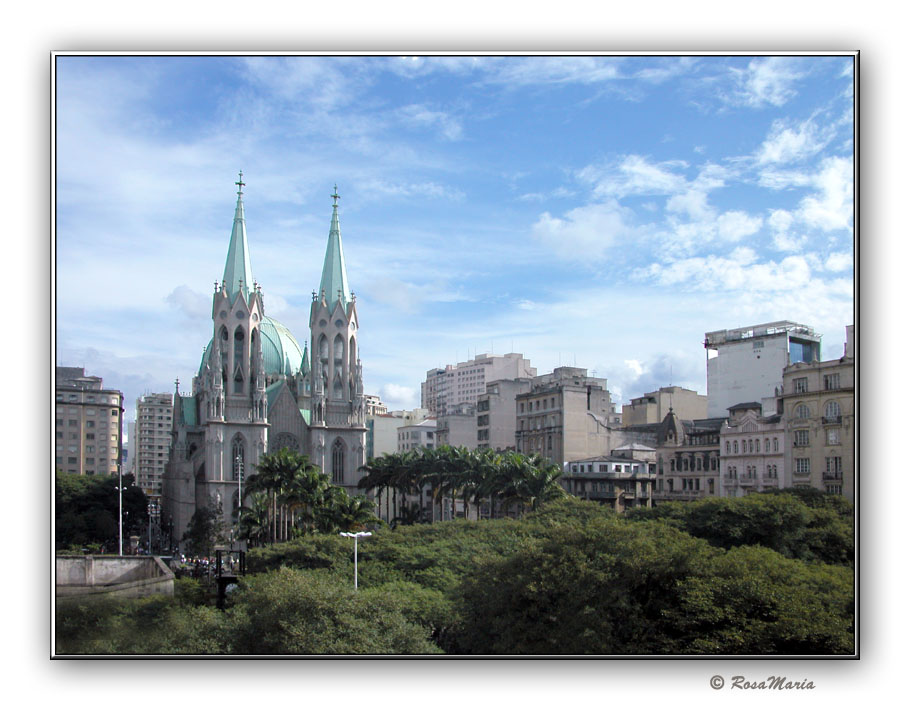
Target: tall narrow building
257, 391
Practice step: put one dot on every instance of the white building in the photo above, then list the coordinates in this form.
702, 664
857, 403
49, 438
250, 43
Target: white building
751, 451
746, 364
446, 388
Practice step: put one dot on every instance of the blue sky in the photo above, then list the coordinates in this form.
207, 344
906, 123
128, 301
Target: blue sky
602, 211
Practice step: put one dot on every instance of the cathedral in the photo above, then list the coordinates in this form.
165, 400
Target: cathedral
257, 392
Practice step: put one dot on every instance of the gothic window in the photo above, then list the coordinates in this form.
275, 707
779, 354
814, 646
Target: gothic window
284, 441
323, 348
338, 462
339, 350
352, 355
238, 458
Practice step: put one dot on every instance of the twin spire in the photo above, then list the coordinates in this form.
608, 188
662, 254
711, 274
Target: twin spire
238, 273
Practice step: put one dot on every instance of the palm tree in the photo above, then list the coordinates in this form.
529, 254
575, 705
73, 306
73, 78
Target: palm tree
341, 512
541, 482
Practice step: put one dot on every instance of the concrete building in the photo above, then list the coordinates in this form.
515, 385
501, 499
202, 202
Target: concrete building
151, 446
688, 458
446, 388
751, 451
417, 435
567, 416
652, 407
257, 391
745, 364
382, 430
373, 405
816, 403
617, 481
458, 427
88, 424
497, 418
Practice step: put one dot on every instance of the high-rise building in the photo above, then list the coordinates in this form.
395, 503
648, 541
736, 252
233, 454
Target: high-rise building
257, 391
447, 388
151, 445
88, 427
745, 364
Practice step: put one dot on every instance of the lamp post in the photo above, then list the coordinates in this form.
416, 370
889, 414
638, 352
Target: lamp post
239, 461
120, 490
355, 536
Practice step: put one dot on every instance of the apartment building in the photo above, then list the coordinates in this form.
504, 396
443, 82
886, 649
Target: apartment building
565, 416
88, 424
688, 458
620, 482
816, 403
151, 445
446, 388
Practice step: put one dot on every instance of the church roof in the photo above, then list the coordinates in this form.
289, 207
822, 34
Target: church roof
334, 273
281, 354
238, 273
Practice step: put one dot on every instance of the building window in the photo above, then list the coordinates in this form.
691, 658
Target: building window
801, 466
833, 437
833, 467
801, 385
728, 447
801, 412
735, 447
776, 445
832, 412
801, 437
338, 462
238, 458
767, 445
836, 489
832, 382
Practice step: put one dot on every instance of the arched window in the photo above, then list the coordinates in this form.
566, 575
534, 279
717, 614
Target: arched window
352, 355
832, 411
323, 348
238, 458
339, 350
238, 359
337, 387
338, 462
728, 446
801, 411
735, 447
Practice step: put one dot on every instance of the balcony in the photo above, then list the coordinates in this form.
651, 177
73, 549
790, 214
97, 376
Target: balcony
833, 476
832, 420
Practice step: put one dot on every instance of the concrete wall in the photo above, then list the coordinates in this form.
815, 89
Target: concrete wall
119, 576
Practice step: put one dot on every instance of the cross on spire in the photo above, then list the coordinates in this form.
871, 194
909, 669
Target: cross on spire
240, 184
335, 196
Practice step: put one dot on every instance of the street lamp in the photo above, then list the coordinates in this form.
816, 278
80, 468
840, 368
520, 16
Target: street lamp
120, 490
355, 536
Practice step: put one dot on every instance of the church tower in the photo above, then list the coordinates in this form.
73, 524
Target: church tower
232, 397
337, 425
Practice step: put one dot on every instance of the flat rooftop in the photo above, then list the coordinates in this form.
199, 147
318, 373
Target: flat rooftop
764, 330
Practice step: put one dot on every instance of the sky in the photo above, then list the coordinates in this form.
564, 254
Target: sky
590, 210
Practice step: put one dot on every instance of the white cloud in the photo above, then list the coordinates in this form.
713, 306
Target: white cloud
585, 232
766, 81
791, 144
399, 396
832, 207
734, 225
191, 303
419, 115
738, 272
635, 175
839, 261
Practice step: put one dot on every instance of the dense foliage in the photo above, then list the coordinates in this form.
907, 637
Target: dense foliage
568, 578
506, 481
87, 508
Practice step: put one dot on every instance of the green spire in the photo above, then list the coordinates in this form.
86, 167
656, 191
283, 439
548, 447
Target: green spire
334, 274
238, 274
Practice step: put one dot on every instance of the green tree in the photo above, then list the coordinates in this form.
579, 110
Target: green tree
87, 509
205, 531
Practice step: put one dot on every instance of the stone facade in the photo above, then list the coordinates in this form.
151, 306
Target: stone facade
257, 392
816, 403
751, 451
